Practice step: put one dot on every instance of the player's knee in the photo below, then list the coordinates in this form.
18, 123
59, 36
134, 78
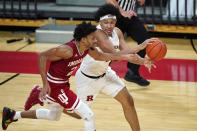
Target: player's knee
84, 112
127, 103
55, 112
129, 100
125, 98
53, 116
89, 116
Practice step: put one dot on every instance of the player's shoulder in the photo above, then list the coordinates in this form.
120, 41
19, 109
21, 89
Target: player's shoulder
99, 31
117, 30
100, 34
64, 47
68, 50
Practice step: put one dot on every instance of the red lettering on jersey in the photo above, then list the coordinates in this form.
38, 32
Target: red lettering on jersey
90, 98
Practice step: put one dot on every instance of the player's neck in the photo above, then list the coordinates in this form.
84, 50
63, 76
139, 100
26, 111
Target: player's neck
81, 47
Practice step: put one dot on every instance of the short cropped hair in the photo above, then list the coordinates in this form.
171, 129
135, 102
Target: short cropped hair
105, 10
83, 30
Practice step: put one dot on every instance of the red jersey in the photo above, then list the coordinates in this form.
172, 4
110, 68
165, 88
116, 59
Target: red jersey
60, 71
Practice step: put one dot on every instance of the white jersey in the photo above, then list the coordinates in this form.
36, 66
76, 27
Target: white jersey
92, 67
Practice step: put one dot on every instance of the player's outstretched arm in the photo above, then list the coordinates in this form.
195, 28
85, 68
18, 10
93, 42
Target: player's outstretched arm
143, 45
53, 54
97, 55
124, 48
136, 59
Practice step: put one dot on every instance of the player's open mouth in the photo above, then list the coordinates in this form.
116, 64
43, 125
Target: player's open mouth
109, 31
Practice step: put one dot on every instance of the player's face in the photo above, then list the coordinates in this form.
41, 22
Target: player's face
108, 25
91, 40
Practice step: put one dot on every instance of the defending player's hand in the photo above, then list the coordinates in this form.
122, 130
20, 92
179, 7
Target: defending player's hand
149, 64
45, 90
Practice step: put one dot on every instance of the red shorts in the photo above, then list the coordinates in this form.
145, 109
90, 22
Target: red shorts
62, 94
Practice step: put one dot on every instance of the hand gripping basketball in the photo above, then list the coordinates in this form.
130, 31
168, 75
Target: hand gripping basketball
156, 50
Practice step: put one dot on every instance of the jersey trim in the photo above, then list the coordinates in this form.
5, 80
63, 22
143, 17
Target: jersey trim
77, 48
55, 79
49, 99
74, 105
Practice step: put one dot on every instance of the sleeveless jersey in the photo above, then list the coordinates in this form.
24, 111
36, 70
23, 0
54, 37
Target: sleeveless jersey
92, 67
60, 71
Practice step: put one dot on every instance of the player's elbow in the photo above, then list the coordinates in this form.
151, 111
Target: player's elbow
40, 55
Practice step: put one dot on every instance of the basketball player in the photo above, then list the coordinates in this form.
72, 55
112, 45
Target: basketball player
94, 76
56, 88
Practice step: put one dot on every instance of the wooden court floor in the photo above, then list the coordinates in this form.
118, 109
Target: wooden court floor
162, 106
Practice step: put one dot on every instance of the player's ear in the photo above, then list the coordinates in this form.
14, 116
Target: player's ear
83, 39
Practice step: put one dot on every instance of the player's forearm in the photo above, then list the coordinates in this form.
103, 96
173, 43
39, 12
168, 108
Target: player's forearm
128, 51
136, 59
139, 60
136, 49
109, 56
42, 62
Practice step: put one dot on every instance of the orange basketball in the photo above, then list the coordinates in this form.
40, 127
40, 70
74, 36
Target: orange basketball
156, 51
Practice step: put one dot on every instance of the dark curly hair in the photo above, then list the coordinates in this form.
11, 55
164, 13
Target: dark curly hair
106, 9
83, 30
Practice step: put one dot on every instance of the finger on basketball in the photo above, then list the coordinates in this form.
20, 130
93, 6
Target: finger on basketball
153, 39
156, 50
